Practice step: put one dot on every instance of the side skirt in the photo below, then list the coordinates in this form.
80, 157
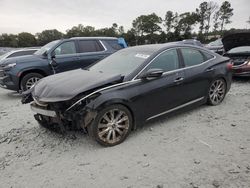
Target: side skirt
176, 108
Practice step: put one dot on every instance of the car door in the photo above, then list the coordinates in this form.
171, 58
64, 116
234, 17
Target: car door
166, 92
197, 73
65, 57
89, 52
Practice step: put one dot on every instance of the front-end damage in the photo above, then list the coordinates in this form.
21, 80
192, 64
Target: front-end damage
58, 116
62, 100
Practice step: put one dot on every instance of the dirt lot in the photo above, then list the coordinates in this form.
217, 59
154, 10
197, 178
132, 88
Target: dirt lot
206, 147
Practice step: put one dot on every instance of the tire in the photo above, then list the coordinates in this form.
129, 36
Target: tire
107, 130
216, 92
28, 79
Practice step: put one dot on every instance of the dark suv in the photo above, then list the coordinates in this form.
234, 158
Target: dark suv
22, 73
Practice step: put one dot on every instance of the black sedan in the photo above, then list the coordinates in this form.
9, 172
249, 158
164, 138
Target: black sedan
130, 87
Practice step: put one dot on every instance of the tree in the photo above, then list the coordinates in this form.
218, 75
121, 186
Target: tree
147, 24
248, 21
187, 20
216, 21
121, 30
202, 13
47, 36
76, 31
211, 9
168, 22
8, 40
225, 13
130, 37
26, 40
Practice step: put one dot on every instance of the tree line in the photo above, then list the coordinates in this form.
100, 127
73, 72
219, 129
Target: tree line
210, 17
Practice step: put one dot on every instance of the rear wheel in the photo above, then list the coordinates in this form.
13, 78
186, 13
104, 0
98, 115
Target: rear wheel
111, 126
217, 92
29, 80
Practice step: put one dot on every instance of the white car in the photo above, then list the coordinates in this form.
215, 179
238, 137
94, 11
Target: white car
17, 53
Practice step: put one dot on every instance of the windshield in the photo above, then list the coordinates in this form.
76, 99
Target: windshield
241, 49
122, 62
218, 42
46, 47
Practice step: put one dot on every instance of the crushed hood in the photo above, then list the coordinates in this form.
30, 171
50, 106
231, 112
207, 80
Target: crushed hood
65, 86
236, 40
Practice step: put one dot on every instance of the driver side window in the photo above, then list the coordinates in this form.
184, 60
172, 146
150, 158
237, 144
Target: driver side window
66, 48
167, 61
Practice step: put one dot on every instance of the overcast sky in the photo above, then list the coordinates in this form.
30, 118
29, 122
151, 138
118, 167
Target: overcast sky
37, 15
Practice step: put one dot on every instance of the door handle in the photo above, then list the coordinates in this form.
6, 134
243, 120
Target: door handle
178, 79
210, 70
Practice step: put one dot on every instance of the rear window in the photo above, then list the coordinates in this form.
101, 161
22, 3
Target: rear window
192, 57
89, 46
207, 56
22, 53
114, 44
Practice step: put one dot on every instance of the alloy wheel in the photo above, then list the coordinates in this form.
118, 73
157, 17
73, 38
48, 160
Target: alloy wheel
113, 126
30, 82
217, 91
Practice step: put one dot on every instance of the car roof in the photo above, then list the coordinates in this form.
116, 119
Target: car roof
100, 38
23, 49
160, 47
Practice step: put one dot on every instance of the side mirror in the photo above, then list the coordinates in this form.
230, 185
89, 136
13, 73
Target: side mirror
152, 73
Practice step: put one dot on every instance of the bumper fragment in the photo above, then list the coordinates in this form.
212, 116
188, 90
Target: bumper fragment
42, 111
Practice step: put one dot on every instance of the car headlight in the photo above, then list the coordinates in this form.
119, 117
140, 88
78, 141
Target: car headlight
11, 65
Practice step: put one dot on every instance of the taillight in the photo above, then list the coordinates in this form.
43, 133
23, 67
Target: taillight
230, 66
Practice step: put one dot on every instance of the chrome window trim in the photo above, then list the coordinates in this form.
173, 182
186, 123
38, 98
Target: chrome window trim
176, 108
105, 49
177, 70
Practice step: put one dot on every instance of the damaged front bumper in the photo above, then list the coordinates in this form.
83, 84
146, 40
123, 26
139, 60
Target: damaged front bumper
39, 110
50, 118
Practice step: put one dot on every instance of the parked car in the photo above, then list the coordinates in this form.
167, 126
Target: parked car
237, 47
216, 46
18, 53
131, 86
55, 57
192, 42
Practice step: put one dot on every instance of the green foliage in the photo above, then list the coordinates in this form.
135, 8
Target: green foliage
168, 22
26, 40
145, 28
202, 13
47, 36
248, 21
8, 40
147, 25
225, 13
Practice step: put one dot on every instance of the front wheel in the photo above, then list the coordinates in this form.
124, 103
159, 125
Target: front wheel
217, 92
29, 80
111, 126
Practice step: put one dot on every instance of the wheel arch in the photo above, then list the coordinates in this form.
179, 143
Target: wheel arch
25, 72
117, 101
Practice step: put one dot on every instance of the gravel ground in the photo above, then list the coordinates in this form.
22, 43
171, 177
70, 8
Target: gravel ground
206, 147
